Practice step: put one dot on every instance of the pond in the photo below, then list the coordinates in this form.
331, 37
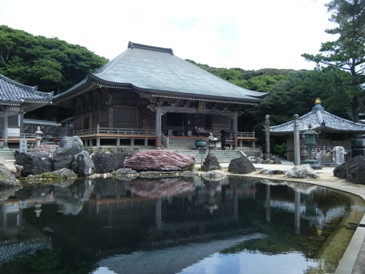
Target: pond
172, 225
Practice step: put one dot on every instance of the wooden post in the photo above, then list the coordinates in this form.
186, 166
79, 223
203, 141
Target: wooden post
235, 128
158, 125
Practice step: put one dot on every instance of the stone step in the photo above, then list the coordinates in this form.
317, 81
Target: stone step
8, 155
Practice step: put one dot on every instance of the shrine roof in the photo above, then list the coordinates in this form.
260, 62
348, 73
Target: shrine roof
320, 120
157, 71
14, 93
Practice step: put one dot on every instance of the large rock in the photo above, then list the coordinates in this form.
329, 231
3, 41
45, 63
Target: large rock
7, 178
82, 164
160, 160
107, 162
14, 169
68, 147
34, 162
356, 170
241, 165
301, 171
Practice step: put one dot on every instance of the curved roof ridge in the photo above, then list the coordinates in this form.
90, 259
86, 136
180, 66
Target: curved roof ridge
147, 47
13, 91
320, 120
12, 82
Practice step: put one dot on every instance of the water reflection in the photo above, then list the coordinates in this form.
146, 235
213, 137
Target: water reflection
140, 224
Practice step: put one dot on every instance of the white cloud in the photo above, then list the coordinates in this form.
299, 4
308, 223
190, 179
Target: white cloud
245, 34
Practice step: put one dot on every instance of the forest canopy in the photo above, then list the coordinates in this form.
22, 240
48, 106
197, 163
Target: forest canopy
49, 63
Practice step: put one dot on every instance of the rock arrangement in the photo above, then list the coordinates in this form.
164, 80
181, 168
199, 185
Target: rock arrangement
70, 160
69, 154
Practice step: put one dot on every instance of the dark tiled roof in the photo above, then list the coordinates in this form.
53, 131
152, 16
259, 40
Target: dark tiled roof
149, 69
320, 120
12, 92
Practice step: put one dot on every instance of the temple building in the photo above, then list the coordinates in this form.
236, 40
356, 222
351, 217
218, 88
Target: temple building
15, 100
147, 94
332, 130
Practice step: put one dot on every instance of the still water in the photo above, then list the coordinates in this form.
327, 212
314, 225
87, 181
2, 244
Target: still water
170, 225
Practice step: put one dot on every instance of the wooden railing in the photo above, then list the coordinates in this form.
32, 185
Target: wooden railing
108, 130
246, 134
99, 133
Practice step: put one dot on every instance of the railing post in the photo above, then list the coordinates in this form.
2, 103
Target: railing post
97, 128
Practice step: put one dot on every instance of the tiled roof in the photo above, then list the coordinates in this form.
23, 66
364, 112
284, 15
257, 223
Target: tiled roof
320, 120
149, 70
12, 92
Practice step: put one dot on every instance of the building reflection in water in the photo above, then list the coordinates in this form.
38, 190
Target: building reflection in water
112, 216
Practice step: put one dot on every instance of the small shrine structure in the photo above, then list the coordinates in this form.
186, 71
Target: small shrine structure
15, 100
333, 131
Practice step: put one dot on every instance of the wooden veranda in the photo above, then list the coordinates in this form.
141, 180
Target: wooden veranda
100, 136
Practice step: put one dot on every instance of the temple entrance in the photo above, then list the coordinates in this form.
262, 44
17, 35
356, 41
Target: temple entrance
186, 124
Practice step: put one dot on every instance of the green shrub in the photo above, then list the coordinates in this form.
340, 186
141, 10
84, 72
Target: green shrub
280, 149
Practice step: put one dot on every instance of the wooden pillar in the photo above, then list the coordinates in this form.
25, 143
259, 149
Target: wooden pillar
235, 127
111, 117
158, 125
21, 117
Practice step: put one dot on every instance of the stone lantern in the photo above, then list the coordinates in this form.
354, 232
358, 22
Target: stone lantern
310, 141
38, 136
211, 162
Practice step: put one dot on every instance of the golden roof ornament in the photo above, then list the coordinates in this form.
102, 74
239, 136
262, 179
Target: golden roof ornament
317, 101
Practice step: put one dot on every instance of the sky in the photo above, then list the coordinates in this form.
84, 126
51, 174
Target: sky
247, 34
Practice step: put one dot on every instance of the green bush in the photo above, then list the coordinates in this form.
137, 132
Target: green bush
280, 149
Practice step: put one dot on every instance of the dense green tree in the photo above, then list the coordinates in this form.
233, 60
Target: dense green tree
347, 51
49, 63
